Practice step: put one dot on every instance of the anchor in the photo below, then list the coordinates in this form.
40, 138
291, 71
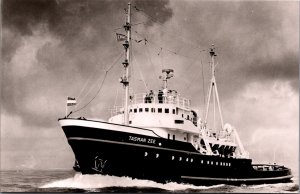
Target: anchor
99, 164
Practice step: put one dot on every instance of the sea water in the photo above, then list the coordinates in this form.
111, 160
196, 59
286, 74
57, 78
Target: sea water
69, 181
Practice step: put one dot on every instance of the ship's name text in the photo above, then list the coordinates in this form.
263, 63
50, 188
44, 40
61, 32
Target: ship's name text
141, 139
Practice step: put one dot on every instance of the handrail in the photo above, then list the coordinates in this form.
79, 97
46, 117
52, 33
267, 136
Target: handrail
144, 98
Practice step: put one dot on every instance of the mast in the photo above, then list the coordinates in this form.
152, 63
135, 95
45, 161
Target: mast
213, 88
125, 79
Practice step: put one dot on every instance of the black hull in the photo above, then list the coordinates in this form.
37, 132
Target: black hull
104, 151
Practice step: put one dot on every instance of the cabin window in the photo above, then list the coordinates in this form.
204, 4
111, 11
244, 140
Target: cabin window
146, 109
229, 164
188, 117
184, 138
207, 162
159, 110
168, 136
130, 122
174, 111
217, 163
180, 158
201, 161
182, 116
192, 160
140, 109
130, 110
146, 153
157, 155
152, 109
166, 110
135, 110
173, 157
187, 159
212, 162
173, 137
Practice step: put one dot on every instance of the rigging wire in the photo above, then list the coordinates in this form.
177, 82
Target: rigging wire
141, 74
101, 85
173, 34
86, 83
163, 48
149, 57
203, 88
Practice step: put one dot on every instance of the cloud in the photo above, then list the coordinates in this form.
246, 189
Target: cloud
266, 116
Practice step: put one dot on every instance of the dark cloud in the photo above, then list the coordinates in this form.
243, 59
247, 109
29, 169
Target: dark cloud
285, 68
156, 11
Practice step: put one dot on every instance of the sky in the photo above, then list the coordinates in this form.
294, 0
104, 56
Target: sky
52, 49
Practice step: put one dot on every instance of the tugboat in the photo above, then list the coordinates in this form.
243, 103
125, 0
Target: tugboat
159, 136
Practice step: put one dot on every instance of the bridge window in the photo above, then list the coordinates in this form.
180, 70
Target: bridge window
159, 110
166, 110
152, 109
140, 110
146, 109
135, 110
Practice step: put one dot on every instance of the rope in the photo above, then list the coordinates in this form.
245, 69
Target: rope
101, 85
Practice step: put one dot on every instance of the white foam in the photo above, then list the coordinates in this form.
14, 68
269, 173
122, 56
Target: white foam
80, 181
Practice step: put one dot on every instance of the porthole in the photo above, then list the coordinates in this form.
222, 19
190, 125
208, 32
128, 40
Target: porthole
146, 154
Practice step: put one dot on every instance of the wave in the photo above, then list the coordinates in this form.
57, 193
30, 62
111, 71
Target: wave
80, 181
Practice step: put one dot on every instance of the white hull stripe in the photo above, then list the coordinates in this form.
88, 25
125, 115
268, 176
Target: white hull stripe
108, 126
131, 144
235, 180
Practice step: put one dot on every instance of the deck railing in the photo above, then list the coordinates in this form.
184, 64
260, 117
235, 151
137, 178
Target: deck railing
144, 98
